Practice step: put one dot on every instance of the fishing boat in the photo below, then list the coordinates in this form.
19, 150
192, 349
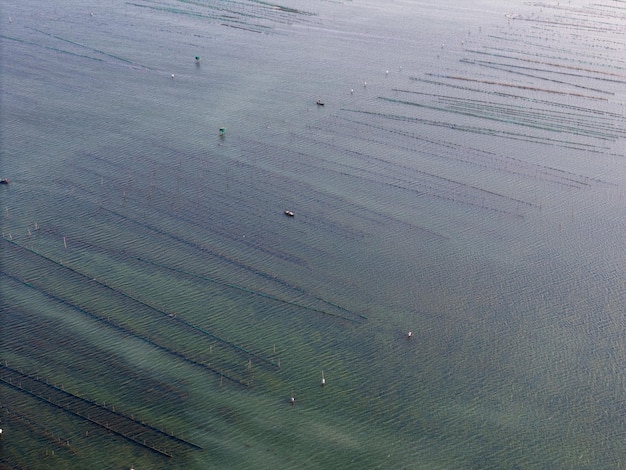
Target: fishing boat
319, 103
4, 181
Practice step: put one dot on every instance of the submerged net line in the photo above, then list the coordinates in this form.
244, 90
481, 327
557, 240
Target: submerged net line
108, 321
164, 314
138, 432
481, 158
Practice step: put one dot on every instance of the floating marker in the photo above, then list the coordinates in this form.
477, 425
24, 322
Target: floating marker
197, 58
323, 379
409, 335
222, 130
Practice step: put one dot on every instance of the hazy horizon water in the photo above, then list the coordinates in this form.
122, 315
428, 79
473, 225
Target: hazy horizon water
464, 180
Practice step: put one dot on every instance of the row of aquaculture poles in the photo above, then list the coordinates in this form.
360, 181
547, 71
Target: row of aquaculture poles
135, 431
159, 343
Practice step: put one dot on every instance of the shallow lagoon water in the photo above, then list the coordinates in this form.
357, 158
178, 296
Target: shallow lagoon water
464, 181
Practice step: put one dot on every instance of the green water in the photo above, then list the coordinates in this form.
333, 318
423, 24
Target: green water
472, 192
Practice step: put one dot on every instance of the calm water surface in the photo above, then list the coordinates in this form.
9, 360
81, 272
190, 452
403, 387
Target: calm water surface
464, 181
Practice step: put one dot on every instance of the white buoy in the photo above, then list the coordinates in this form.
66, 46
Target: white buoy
172, 76
409, 335
364, 84
292, 400
323, 379
387, 72
351, 90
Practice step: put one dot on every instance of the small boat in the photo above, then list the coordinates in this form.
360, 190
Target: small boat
4, 181
289, 213
319, 103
